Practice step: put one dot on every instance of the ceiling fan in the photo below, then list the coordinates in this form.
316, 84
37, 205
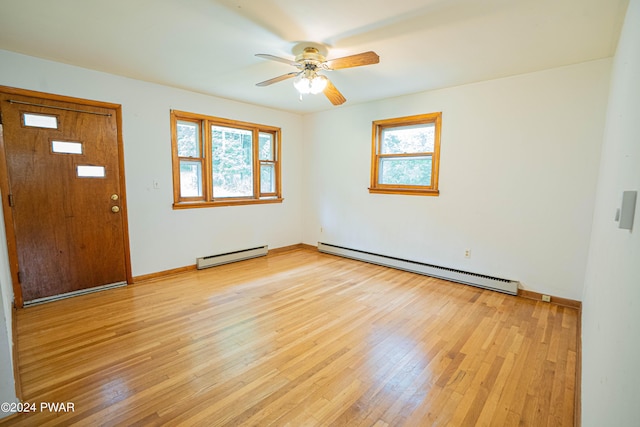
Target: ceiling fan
310, 60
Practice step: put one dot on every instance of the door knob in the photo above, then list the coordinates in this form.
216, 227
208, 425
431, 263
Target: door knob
115, 209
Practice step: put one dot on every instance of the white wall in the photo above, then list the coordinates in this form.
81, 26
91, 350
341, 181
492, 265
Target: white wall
6, 284
611, 305
162, 238
7, 382
518, 170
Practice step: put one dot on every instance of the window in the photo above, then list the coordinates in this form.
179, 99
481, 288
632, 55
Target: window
39, 120
220, 162
86, 171
406, 155
66, 147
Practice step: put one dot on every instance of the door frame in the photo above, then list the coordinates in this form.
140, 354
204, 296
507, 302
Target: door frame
4, 185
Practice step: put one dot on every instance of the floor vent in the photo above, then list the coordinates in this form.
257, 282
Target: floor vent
454, 275
226, 258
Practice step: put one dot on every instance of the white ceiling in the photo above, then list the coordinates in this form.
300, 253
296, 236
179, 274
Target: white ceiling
208, 46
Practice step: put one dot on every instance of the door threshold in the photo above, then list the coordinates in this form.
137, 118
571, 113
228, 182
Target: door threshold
43, 300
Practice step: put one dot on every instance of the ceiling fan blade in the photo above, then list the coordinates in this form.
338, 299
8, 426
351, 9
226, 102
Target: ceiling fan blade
333, 94
277, 58
366, 58
278, 79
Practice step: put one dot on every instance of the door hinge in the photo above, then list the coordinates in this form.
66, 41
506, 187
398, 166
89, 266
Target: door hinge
11, 201
19, 276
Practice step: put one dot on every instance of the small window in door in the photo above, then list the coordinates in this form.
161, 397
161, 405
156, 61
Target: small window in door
66, 147
85, 171
40, 120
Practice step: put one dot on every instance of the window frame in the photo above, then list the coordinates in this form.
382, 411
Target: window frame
207, 199
378, 126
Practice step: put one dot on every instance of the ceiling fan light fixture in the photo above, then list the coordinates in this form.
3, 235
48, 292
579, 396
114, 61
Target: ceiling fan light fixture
312, 83
318, 84
302, 84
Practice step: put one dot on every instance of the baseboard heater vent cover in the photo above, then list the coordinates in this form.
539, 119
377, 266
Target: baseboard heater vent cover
226, 258
454, 275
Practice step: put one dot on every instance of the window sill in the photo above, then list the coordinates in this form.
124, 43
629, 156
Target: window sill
405, 191
220, 203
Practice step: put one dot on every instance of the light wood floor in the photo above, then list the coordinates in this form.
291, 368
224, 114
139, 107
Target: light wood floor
299, 338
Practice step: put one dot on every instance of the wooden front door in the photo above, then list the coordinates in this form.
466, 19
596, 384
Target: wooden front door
64, 195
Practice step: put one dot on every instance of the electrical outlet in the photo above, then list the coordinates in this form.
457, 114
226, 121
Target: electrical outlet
467, 253
546, 298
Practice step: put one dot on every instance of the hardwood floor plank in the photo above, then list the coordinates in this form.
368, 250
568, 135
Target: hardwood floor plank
298, 338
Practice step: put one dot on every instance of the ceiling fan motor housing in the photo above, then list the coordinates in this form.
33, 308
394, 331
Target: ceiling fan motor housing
310, 55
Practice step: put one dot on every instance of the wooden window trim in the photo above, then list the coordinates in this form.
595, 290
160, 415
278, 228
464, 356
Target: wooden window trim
416, 190
275, 148
207, 199
177, 159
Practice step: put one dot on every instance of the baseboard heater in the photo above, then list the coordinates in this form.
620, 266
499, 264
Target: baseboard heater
226, 258
451, 274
